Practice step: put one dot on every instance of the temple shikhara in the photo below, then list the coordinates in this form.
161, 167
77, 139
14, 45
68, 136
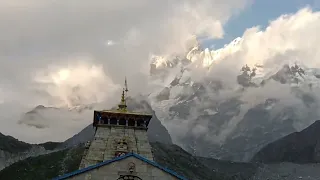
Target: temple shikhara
120, 149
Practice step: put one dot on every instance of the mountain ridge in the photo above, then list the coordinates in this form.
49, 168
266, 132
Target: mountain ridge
298, 147
187, 101
60, 162
55, 163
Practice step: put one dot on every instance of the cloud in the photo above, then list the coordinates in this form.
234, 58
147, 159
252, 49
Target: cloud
73, 85
289, 39
35, 34
284, 37
50, 48
71, 52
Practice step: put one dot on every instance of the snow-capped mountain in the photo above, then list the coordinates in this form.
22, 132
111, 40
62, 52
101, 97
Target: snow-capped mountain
203, 57
208, 116
208, 111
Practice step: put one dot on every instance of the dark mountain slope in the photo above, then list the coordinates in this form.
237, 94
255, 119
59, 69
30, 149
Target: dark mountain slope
13, 150
171, 156
12, 145
235, 169
175, 158
44, 166
298, 147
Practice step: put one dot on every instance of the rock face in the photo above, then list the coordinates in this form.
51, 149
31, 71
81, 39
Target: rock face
83, 136
255, 129
44, 167
209, 117
298, 147
13, 150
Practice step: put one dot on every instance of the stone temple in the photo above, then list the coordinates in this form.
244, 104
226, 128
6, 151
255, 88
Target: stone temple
120, 149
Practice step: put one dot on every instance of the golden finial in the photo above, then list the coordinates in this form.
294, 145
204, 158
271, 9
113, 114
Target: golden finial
125, 84
123, 104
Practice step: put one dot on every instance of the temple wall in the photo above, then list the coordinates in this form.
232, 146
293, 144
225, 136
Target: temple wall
104, 145
113, 171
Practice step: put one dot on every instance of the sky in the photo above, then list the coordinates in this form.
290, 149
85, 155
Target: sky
68, 53
259, 13
41, 40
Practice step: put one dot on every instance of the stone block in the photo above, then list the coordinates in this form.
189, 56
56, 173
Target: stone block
144, 152
105, 173
95, 155
129, 131
113, 130
111, 142
157, 172
144, 176
143, 143
143, 137
144, 147
108, 157
163, 178
90, 162
134, 150
102, 132
150, 157
98, 145
142, 168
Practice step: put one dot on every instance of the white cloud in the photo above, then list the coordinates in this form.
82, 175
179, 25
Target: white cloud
36, 33
75, 83
54, 49
289, 34
291, 38
50, 48
42, 42
288, 39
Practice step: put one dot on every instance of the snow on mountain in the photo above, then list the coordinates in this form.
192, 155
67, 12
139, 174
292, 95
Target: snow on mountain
196, 54
209, 57
229, 117
211, 117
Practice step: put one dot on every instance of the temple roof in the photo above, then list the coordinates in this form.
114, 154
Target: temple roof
126, 112
80, 171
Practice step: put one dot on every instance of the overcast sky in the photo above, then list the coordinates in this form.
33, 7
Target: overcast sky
46, 36
51, 50
39, 40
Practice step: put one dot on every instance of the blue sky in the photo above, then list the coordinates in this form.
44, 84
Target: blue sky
259, 13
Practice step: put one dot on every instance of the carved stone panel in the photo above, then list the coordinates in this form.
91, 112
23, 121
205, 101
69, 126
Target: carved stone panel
121, 147
129, 177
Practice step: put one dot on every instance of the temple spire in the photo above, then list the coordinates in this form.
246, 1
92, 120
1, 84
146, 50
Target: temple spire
126, 85
123, 104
